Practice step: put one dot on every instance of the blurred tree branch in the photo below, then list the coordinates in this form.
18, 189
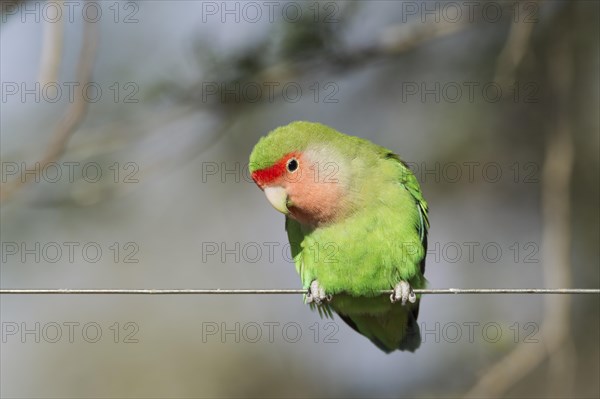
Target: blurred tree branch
73, 115
556, 246
514, 51
323, 53
52, 49
289, 66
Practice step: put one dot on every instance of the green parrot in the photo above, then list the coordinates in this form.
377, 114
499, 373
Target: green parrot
357, 225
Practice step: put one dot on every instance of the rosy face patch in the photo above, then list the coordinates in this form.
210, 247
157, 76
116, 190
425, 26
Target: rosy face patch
313, 193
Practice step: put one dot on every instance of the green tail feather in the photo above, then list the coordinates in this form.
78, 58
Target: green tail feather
390, 326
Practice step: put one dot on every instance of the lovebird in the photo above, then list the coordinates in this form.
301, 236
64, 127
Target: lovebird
357, 225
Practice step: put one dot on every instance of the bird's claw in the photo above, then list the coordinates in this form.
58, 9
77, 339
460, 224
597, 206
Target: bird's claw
403, 292
316, 294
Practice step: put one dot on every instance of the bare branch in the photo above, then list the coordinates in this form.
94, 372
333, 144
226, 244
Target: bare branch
556, 244
52, 47
513, 51
73, 115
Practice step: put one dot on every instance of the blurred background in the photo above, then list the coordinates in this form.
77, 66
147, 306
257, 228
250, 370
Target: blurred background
125, 134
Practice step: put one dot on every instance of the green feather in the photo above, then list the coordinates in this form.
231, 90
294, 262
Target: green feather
380, 243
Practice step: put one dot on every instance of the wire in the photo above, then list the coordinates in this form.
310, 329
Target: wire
218, 291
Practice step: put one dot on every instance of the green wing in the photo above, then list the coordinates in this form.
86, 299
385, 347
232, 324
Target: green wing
410, 182
295, 237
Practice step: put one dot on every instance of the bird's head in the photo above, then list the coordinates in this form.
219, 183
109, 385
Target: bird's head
303, 172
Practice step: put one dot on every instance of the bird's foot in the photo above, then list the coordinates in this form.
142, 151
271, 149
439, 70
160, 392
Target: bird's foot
403, 292
316, 294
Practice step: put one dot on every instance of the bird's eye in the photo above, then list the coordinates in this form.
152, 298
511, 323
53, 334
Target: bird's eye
292, 165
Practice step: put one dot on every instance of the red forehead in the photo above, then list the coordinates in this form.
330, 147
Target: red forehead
271, 174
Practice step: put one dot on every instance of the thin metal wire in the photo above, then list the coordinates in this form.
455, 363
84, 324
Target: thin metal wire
218, 291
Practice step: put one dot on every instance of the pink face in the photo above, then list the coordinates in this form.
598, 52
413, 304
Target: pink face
296, 186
